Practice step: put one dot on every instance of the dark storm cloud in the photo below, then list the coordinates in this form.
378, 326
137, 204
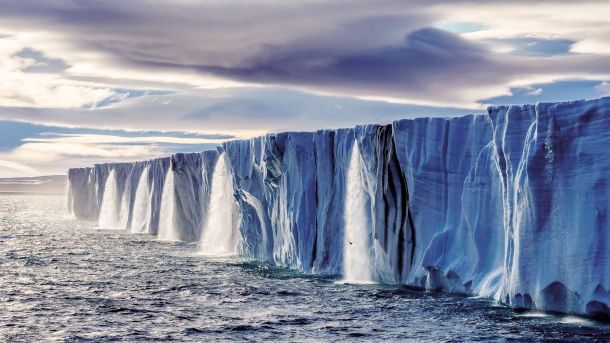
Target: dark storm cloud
428, 59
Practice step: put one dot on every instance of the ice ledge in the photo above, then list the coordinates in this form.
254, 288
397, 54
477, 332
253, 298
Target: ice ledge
511, 205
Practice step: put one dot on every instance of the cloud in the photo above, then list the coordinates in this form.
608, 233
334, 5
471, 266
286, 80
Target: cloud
240, 113
534, 91
28, 78
603, 88
110, 139
215, 70
39, 63
160, 125
384, 50
427, 63
55, 156
531, 46
551, 92
17, 169
38, 149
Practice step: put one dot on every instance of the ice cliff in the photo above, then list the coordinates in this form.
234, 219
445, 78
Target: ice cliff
512, 205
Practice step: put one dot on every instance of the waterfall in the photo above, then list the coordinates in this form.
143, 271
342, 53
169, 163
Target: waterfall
70, 199
167, 229
123, 217
109, 211
141, 205
219, 230
356, 259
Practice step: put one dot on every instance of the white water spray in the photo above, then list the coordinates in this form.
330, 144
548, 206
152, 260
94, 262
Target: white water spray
356, 259
219, 231
109, 211
141, 205
167, 230
123, 217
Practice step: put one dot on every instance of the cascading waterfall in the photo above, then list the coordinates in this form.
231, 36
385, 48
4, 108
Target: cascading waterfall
458, 204
167, 229
356, 259
111, 206
123, 217
141, 205
70, 199
219, 231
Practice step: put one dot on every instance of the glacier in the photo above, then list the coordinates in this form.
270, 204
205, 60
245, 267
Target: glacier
512, 205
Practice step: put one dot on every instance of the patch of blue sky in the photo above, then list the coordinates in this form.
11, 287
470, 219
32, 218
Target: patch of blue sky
44, 64
458, 27
13, 134
535, 46
124, 94
549, 92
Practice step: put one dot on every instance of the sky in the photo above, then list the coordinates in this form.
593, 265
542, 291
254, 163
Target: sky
83, 82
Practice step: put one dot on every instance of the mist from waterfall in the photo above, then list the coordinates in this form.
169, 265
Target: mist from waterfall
110, 209
167, 229
219, 235
141, 205
356, 259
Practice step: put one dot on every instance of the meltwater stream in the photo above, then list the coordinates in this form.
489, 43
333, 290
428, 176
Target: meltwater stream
65, 280
219, 231
141, 205
356, 259
167, 230
110, 209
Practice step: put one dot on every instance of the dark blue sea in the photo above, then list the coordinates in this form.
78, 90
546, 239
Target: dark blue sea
64, 280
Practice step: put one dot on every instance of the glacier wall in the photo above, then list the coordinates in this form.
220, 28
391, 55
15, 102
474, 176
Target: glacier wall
511, 205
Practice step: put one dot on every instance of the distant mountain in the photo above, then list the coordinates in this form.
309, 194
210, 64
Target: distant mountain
51, 184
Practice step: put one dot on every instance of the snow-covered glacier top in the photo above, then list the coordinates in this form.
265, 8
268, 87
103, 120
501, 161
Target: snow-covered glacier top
512, 205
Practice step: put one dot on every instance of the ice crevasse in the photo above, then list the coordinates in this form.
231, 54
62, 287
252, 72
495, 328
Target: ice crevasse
512, 205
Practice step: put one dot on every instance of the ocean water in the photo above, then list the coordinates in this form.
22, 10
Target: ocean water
65, 280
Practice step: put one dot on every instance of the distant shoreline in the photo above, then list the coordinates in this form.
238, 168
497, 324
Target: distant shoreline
30, 193
50, 184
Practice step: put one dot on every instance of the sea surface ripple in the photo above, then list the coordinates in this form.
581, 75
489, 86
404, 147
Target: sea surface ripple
64, 280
